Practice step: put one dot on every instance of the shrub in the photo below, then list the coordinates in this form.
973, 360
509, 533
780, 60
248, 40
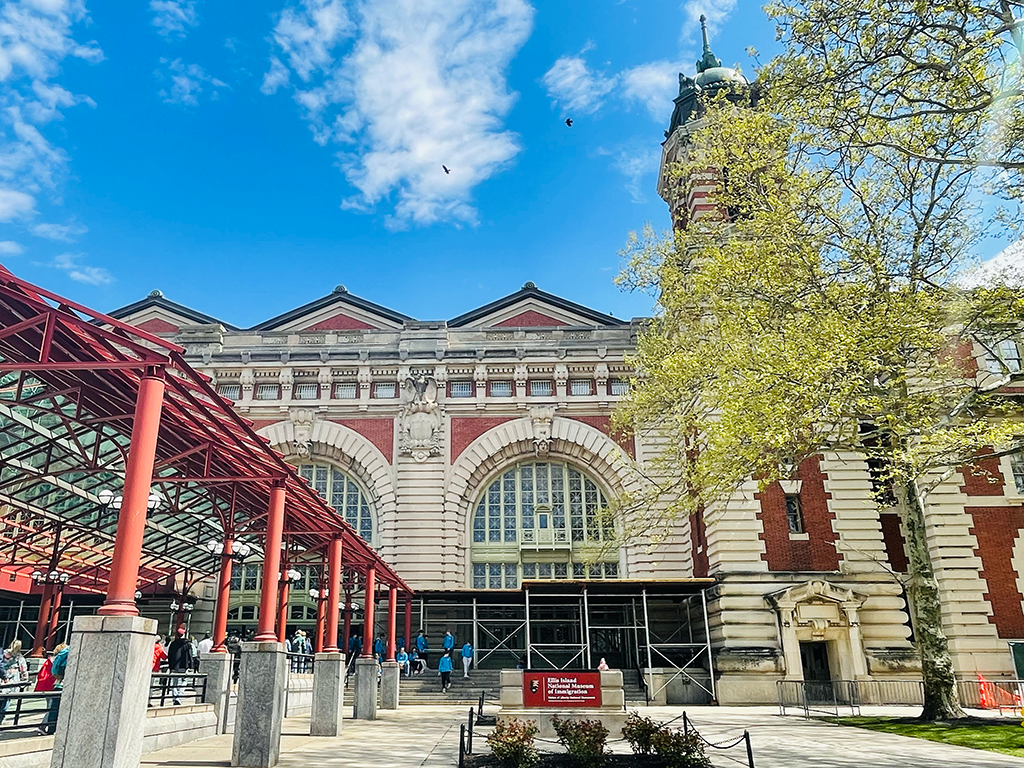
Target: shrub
584, 740
680, 750
639, 732
511, 742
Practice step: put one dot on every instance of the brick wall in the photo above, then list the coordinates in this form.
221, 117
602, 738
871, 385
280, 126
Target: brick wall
603, 424
997, 530
784, 553
983, 478
380, 432
340, 322
698, 544
466, 429
892, 539
529, 319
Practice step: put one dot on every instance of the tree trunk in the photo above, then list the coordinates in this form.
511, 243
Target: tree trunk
941, 698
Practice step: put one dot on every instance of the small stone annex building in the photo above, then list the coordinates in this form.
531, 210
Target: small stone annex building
475, 455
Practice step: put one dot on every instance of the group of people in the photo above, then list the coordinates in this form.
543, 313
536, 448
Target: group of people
14, 678
415, 662
182, 655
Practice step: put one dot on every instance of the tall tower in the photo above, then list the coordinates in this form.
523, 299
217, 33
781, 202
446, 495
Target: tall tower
687, 197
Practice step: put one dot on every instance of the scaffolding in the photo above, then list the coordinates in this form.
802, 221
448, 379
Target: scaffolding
659, 628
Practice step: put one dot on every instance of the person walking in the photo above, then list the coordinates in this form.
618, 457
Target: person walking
159, 654
179, 659
423, 650
444, 668
13, 673
47, 681
205, 645
467, 658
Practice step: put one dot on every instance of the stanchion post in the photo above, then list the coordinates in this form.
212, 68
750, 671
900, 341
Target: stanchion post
469, 741
462, 745
686, 725
750, 751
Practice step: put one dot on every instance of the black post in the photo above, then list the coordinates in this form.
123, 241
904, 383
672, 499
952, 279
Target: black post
469, 740
462, 745
480, 710
750, 751
686, 725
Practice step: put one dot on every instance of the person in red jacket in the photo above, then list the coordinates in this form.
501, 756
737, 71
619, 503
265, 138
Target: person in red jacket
159, 654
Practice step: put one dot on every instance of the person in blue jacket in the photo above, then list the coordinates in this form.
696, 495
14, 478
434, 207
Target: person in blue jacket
467, 658
444, 668
448, 643
423, 649
378, 648
403, 660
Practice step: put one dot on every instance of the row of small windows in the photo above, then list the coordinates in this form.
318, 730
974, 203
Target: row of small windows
388, 390
509, 575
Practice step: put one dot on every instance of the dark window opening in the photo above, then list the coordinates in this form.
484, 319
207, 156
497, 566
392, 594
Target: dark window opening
794, 513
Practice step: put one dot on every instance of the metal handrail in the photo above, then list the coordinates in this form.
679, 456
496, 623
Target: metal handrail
20, 711
163, 684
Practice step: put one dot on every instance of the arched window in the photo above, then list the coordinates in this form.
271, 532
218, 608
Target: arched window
342, 493
535, 521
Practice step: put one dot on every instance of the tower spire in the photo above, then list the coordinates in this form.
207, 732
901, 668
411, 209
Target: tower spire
708, 60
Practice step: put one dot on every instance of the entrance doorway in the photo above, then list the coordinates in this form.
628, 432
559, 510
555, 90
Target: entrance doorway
817, 673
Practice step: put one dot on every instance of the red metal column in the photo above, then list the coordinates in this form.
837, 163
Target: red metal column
347, 632
271, 566
220, 616
282, 604
333, 596
408, 622
131, 523
321, 622
392, 621
42, 622
371, 591
51, 630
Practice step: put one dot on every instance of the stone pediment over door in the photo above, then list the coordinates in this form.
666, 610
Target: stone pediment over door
819, 611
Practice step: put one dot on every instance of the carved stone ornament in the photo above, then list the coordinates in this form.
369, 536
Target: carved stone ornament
302, 423
540, 418
420, 434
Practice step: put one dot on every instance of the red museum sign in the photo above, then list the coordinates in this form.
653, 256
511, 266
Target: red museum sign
562, 689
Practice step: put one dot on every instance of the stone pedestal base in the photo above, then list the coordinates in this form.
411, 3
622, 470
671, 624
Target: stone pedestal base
217, 668
106, 687
389, 683
328, 694
259, 714
364, 706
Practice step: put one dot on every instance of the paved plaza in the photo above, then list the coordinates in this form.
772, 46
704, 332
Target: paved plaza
429, 736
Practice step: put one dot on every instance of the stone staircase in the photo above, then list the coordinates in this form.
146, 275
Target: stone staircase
632, 689
426, 688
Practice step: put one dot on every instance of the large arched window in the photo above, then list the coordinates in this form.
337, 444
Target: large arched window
342, 493
535, 521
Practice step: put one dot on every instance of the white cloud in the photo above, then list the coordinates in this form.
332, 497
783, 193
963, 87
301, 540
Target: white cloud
404, 87
173, 18
716, 11
15, 204
654, 85
35, 37
1005, 268
637, 164
82, 273
65, 233
575, 87
187, 83
10, 247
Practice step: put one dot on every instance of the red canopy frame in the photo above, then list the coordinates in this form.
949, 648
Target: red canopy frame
69, 381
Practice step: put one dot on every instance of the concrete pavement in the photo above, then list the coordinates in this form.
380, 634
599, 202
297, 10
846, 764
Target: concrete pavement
428, 737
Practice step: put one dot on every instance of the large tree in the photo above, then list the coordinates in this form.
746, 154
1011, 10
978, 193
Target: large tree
830, 306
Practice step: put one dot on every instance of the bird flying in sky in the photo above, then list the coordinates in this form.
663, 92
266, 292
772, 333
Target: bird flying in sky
446, 170
568, 121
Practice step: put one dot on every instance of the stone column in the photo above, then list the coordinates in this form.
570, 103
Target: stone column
860, 663
217, 668
259, 714
790, 645
364, 706
106, 687
389, 684
328, 694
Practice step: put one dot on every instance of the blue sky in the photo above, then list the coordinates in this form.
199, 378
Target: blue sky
246, 157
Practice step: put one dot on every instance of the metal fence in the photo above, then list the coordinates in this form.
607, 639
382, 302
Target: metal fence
28, 710
173, 688
300, 663
848, 696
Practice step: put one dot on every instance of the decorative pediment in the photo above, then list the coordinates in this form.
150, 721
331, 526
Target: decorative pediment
338, 311
161, 316
532, 308
814, 592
